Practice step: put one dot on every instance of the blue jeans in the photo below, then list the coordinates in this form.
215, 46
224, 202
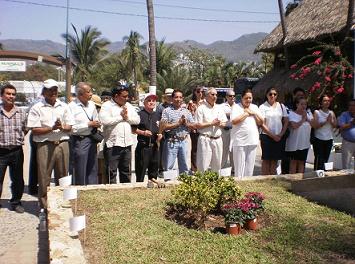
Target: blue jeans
175, 148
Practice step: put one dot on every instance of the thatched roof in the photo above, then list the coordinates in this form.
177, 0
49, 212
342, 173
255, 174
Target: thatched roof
311, 20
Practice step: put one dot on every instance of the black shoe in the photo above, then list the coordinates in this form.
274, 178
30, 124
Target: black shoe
33, 191
18, 208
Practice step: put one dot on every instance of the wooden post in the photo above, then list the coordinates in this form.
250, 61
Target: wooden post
68, 79
284, 32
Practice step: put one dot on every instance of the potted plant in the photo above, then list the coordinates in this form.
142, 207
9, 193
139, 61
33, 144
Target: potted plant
234, 218
251, 206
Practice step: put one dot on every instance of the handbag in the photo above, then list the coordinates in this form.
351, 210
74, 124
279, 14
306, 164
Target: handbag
96, 135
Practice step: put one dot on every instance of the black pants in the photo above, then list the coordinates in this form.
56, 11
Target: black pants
321, 150
33, 178
147, 157
14, 160
118, 158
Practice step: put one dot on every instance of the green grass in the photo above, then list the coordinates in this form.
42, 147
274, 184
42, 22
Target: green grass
128, 226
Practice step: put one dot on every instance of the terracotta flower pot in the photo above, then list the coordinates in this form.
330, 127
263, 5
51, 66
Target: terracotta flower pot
233, 229
251, 224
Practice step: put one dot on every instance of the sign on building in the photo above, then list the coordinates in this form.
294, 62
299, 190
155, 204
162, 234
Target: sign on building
13, 66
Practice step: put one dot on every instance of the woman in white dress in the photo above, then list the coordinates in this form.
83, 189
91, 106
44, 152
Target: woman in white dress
245, 118
272, 138
325, 121
298, 142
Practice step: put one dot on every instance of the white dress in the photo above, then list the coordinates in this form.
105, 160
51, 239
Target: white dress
299, 137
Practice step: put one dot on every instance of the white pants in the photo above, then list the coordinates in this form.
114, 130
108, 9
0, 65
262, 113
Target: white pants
209, 152
227, 154
244, 160
348, 152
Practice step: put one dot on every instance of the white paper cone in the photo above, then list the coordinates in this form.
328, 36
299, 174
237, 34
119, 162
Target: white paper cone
328, 166
70, 194
65, 181
170, 175
152, 89
226, 172
77, 223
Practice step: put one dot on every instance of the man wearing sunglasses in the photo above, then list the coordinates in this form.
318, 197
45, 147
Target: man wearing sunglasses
117, 116
210, 120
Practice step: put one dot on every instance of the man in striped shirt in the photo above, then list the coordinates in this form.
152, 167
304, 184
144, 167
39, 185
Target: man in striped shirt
12, 133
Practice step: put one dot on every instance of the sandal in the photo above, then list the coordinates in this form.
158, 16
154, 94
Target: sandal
150, 185
160, 185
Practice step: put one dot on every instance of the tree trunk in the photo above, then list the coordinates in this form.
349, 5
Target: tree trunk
350, 17
284, 32
152, 49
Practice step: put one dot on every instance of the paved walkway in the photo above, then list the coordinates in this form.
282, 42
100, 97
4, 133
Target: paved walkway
20, 241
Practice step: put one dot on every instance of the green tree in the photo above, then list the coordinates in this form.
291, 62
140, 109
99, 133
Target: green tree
134, 55
87, 50
165, 56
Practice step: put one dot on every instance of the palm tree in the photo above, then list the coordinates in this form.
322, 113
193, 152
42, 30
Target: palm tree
152, 50
134, 56
165, 56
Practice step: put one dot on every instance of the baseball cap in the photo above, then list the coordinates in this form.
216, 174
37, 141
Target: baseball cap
168, 91
106, 93
150, 96
50, 83
96, 99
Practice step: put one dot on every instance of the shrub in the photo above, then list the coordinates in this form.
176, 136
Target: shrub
205, 192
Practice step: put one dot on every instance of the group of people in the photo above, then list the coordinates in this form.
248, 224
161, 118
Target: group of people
67, 137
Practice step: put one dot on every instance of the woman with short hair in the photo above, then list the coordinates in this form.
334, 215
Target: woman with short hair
245, 118
273, 130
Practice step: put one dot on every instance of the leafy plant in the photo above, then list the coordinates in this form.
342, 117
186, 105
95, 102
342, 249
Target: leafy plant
233, 214
205, 192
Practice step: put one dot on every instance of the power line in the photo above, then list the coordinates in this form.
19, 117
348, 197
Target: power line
141, 15
200, 8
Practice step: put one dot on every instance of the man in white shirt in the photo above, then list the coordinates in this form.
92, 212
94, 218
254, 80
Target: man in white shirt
84, 148
50, 121
226, 138
117, 116
210, 120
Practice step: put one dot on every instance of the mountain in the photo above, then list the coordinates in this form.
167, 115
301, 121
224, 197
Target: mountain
240, 49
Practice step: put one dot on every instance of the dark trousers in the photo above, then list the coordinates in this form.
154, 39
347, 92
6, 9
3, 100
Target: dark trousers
194, 140
321, 150
84, 154
33, 179
14, 160
118, 158
147, 157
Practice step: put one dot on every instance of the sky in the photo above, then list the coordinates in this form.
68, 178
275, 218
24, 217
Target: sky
22, 19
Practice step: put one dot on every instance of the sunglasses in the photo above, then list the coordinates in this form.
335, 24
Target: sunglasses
231, 95
199, 91
213, 94
272, 94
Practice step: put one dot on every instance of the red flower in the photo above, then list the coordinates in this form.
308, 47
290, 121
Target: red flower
327, 79
293, 76
318, 61
293, 66
312, 89
340, 89
350, 76
327, 70
301, 76
338, 53
306, 70
317, 52
316, 85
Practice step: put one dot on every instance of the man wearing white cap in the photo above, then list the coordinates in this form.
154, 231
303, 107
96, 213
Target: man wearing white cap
210, 120
50, 121
147, 150
84, 148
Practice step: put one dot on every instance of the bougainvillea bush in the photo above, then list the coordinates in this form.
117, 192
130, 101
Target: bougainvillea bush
330, 65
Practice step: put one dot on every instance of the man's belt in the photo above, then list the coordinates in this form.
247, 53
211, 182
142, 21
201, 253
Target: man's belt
10, 148
206, 135
176, 138
57, 142
80, 137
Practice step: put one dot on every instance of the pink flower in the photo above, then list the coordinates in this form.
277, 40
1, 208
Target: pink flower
293, 66
350, 76
338, 52
318, 61
301, 76
293, 76
340, 89
316, 85
327, 70
327, 79
306, 70
317, 52
312, 89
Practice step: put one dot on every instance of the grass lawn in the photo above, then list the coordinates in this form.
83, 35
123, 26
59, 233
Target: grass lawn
129, 226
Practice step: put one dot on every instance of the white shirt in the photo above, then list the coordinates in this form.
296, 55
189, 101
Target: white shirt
43, 114
299, 137
206, 113
118, 132
325, 132
273, 116
245, 133
82, 116
227, 110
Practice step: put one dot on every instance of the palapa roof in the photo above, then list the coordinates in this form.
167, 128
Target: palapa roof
310, 20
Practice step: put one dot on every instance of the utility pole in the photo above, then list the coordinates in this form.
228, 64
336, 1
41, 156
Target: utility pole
67, 61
